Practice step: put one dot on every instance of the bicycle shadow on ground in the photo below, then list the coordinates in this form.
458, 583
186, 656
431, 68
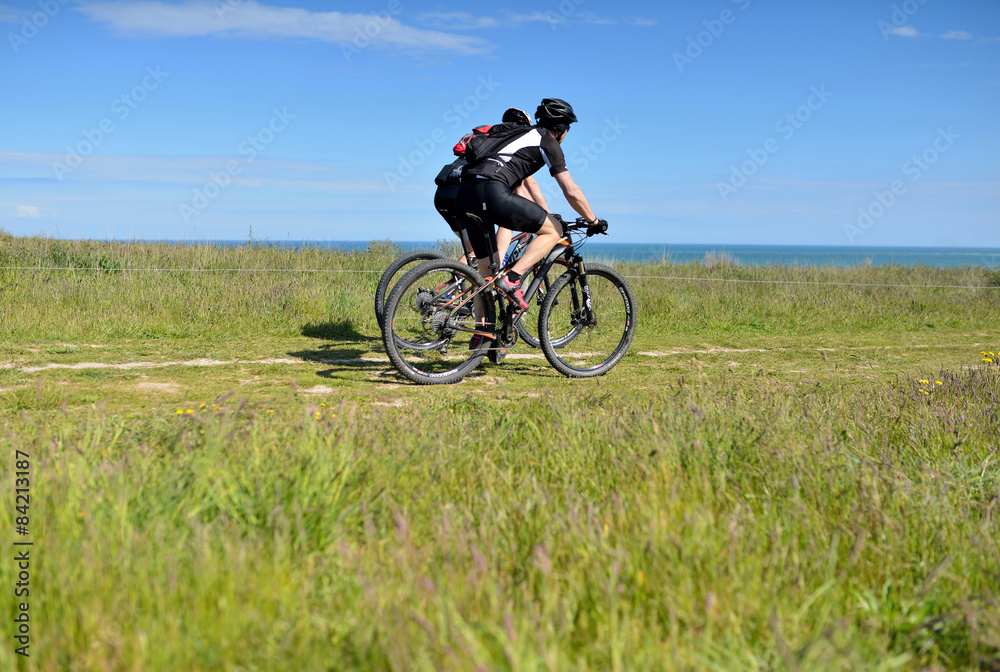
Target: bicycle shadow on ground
343, 359
342, 330
349, 352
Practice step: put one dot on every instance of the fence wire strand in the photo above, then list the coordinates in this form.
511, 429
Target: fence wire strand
355, 271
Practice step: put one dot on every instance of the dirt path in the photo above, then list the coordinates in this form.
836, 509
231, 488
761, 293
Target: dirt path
385, 360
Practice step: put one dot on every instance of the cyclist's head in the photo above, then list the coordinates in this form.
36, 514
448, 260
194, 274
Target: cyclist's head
555, 115
516, 116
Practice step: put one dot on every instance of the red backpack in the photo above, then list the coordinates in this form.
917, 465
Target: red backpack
484, 141
459, 149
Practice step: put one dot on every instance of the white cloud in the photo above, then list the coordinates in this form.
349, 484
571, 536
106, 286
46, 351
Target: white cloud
529, 18
9, 14
904, 31
508, 19
456, 21
590, 17
467, 21
957, 35
25, 212
180, 170
251, 19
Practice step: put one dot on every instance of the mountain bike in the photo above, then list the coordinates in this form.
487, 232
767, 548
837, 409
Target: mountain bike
398, 268
586, 322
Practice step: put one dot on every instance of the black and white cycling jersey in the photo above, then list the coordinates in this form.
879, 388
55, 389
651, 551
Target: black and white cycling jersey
522, 157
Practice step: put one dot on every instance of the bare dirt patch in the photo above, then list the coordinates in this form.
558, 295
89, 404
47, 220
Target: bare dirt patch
159, 387
395, 403
318, 389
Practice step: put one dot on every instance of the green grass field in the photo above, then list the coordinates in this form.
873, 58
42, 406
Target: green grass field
794, 473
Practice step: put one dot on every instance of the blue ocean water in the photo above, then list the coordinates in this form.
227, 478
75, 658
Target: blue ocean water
746, 255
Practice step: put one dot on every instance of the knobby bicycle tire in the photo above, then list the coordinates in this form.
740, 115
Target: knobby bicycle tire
597, 345
392, 271
428, 339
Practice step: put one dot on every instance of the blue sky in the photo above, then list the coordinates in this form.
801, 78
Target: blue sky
716, 121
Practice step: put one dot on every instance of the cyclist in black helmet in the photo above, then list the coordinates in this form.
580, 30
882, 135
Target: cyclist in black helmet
488, 196
446, 195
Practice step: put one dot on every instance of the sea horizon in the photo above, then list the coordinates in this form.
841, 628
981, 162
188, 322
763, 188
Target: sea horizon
740, 254
796, 255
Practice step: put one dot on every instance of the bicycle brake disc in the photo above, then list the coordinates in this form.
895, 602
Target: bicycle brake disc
439, 323
423, 300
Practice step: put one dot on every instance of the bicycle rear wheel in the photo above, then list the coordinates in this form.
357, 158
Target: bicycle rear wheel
582, 342
396, 270
429, 328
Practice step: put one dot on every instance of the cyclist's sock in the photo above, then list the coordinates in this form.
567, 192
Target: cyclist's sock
513, 277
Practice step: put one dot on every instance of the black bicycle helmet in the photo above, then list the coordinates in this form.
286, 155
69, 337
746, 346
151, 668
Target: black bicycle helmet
516, 116
555, 114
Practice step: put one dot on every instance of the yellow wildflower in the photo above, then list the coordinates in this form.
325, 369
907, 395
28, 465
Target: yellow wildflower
179, 412
938, 382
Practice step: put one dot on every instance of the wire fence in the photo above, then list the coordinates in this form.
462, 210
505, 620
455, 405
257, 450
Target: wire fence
124, 269
363, 272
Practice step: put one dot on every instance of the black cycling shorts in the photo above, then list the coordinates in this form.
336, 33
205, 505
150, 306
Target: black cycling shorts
483, 203
445, 201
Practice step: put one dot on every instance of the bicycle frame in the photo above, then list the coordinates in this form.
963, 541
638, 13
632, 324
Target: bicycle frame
564, 252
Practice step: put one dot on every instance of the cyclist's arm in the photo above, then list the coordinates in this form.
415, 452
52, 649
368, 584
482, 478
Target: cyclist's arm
575, 196
536, 192
522, 191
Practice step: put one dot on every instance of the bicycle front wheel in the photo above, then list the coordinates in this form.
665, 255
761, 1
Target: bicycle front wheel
582, 341
430, 328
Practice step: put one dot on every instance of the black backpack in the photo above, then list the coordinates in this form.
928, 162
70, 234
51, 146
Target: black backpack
451, 174
484, 144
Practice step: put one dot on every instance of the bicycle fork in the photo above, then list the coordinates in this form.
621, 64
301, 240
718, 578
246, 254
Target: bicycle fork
584, 315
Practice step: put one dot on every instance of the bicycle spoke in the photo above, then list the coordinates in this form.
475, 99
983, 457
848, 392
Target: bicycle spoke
581, 342
396, 270
527, 324
431, 330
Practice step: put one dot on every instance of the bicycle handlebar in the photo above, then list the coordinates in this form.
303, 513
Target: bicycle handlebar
592, 229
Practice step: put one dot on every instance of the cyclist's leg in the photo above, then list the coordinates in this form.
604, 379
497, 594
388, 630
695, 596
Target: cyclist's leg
545, 239
446, 203
520, 214
472, 214
470, 254
503, 242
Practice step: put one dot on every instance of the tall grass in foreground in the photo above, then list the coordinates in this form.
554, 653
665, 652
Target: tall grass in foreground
713, 524
701, 519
